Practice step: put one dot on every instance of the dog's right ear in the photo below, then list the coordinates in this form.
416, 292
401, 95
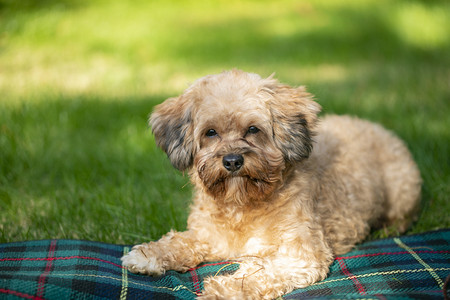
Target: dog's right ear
171, 123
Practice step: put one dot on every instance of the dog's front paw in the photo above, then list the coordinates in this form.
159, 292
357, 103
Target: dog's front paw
222, 287
236, 288
141, 259
249, 282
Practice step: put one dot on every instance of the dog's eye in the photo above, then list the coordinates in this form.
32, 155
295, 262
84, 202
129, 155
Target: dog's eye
253, 129
211, 133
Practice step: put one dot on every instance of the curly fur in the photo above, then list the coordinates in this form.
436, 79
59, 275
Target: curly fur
308, 189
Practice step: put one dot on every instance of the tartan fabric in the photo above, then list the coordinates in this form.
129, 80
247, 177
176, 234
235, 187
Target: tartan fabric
407, 267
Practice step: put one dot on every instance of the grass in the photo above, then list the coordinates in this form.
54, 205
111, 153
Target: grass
78, 79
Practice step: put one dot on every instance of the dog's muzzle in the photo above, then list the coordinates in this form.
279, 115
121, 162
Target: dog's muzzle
233, 162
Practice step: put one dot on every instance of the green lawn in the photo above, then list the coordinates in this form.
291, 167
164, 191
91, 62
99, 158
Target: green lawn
79, 78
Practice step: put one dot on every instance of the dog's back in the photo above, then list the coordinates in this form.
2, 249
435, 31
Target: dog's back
366, 178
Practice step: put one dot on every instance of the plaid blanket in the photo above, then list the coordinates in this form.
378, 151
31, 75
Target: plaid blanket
403, 267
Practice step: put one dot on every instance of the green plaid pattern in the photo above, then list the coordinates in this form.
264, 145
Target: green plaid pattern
408, 267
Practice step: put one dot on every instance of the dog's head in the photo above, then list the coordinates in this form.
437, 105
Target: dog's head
236, 133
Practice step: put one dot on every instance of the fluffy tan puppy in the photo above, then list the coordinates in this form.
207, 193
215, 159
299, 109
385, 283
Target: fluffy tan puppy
276, 189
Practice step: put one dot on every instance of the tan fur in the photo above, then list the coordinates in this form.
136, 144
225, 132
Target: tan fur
308, 189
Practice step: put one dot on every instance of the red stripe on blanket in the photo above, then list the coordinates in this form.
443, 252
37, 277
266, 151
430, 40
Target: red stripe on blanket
19, 294
48, 267
195, 282
355, 280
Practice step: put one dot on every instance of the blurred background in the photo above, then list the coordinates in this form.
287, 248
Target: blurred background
78, 79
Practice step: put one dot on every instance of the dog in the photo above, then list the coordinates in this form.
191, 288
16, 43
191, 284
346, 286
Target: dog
276, 189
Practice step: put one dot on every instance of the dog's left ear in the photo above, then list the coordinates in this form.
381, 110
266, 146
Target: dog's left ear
294, 116
171, 123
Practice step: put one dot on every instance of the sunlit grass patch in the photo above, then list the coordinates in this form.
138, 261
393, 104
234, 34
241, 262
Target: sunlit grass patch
421, 25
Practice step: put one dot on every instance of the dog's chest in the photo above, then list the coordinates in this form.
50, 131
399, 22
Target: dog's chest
255, 246
238, 234
244, 242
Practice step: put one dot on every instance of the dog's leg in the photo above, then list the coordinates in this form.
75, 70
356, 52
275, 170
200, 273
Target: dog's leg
177, 251
295, 265
265, 279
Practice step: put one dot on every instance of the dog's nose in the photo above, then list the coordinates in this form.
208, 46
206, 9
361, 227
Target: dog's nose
233, 162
